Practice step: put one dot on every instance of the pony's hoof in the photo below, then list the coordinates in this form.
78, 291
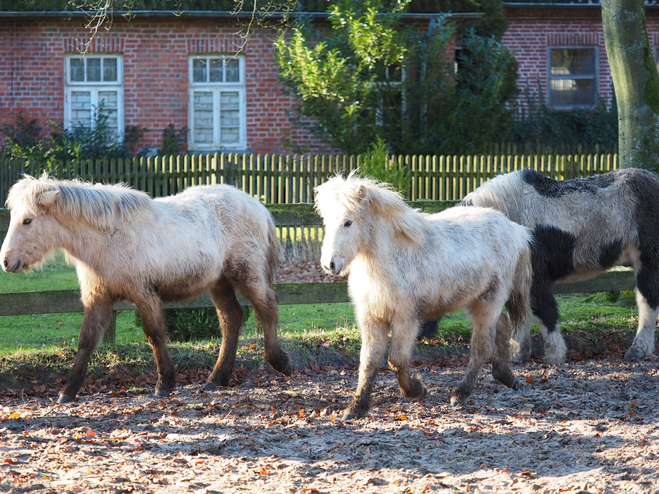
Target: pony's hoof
516, 385
458, 401
209, 386
65, 399
348, 416
635, 353
162, 393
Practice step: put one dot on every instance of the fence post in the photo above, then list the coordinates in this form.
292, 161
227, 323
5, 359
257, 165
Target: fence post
110, 334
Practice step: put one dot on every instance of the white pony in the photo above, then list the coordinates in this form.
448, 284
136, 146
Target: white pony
405, 266
128, 246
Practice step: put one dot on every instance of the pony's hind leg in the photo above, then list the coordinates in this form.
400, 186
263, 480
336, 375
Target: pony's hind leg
643, 344
374, 343
501, 370
264, 302
230, 315
402, 345
482, 339
94, 322
153, 323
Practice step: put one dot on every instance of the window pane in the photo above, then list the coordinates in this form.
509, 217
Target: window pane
232, 70
110, 69
202, 103
77, 70
199, 70
81, 108
229, 117
93, 70
108, 102
216, 70
571, 92
578, 61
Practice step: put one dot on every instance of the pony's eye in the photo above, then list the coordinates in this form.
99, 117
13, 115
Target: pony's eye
27, 221
347, 223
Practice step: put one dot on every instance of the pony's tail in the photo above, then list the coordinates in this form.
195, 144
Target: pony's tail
272, 251
519, 303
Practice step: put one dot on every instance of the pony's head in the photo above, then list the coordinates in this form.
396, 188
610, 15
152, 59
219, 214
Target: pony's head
27, 241
40, 206
353, 210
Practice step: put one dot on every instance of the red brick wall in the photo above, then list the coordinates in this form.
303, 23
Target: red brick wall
531, 31
155, 57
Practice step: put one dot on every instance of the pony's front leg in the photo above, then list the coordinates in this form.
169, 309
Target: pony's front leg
402, 346
545, 309
94, 322
643, 344
374, 343
153, 322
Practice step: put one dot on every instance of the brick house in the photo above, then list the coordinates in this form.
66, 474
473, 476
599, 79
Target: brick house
560, 45
197, 70
194, 69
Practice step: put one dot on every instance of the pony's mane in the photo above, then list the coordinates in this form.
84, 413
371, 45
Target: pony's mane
358, 194
504, 192
97, 204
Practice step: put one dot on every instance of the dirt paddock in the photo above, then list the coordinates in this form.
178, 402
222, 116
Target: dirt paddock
585, 427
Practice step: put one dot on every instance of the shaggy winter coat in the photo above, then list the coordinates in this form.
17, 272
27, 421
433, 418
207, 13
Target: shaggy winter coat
404, 266
128, 246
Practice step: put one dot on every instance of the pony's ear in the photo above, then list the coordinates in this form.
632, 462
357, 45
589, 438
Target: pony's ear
47, 199
362, 190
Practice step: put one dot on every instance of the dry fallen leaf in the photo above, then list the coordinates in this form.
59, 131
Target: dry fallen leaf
529, 379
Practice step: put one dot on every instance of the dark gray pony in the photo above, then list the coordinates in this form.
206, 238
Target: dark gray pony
582, 227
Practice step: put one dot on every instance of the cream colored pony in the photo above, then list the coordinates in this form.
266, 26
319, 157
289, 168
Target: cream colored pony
127, 246
405, 266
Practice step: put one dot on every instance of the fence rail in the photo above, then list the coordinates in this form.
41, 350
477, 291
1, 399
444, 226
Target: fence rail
289, 215
285, 179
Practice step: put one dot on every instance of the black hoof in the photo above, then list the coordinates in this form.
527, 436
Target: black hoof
209, 386
348, 416
65, 399
288, 370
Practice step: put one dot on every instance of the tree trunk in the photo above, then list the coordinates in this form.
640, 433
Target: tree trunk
635, 82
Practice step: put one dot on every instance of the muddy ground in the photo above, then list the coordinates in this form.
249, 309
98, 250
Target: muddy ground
582, 427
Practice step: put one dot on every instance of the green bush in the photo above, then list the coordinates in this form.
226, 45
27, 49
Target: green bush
192, 324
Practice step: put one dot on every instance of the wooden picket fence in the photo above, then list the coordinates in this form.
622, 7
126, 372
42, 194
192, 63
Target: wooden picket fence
286, 179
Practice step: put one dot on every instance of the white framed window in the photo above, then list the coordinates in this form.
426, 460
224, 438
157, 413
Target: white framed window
572, 77
94, 82
217, 102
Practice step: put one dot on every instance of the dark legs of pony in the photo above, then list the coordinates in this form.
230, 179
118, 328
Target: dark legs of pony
481, 349
229, 312
230, 315
545, 309
95, 320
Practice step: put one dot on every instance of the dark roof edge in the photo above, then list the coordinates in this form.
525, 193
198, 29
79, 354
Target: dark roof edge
218, 14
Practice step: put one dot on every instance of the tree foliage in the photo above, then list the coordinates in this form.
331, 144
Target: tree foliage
370, 76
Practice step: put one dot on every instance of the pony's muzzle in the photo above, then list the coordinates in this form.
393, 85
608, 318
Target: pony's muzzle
335, 266
11, 266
